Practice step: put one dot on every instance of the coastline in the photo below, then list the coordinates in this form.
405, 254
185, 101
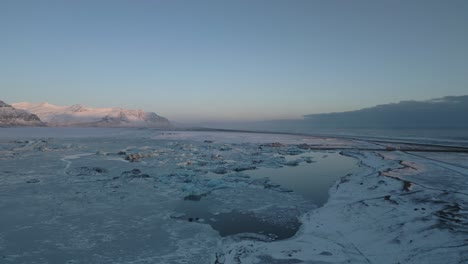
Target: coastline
404, 206
371, 217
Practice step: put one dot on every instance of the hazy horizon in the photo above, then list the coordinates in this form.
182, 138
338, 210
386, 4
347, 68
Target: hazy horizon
237, 61
447, 109
233, 131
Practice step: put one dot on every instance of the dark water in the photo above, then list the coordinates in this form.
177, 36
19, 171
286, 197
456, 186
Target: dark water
311, 180
237, 222
454, 137
399, 132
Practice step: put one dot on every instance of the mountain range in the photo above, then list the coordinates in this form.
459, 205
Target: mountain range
441, 113
10, 116
448, 112
445, 112
81, 116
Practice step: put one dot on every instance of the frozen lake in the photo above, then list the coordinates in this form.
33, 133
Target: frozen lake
310, 175
115, 195
145, 196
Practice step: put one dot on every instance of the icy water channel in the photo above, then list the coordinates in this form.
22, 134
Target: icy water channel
309, 174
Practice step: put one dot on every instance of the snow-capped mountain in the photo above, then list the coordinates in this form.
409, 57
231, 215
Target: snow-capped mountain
9, 116
78, 115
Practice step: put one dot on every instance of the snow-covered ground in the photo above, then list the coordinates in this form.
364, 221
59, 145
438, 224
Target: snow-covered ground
145, 196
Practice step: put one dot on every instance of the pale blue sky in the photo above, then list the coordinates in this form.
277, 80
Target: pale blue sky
232, 60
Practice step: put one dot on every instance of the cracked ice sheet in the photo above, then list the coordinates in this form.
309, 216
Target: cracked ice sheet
83, 214
370, 218
77, 200
259, 138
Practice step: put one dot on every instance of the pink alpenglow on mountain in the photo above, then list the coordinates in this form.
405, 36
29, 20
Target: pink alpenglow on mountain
10, 116
78, 115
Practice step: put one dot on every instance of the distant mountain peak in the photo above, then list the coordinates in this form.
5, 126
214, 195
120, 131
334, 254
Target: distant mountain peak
3, 104
77, 108
79, 115
44, 104
10, 116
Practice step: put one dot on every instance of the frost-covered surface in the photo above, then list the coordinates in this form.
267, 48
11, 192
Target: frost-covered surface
78, 115
303, 141
403, 209
134, 196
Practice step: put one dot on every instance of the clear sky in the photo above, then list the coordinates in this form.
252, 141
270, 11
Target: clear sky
232, 60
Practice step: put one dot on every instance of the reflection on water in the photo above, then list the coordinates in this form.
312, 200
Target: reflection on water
310, 179
237, 222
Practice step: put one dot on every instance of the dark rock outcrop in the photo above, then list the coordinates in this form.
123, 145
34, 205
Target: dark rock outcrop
11, 117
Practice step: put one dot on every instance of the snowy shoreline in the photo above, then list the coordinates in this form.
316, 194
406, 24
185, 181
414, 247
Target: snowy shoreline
396, 208
373, 217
